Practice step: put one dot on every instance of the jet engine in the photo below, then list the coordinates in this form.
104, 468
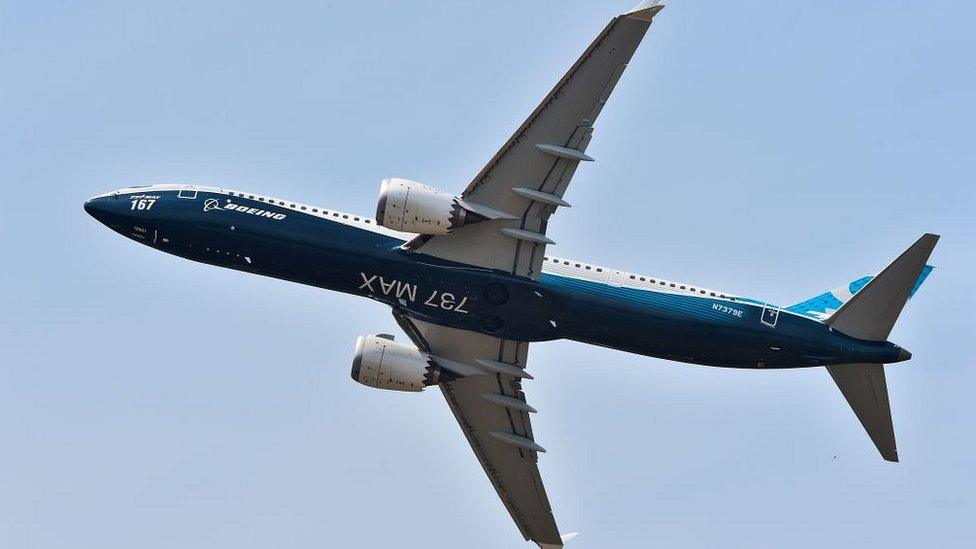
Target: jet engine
413, 207
383, 363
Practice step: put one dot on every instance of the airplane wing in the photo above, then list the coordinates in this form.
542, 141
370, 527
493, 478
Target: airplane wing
527, 177
490, 407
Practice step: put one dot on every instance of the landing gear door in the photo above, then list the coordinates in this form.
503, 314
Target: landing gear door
770, 315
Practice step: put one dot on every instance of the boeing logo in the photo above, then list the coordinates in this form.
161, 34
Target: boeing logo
213, 204
470, 283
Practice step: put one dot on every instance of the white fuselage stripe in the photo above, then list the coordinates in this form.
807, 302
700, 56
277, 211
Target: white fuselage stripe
551, 265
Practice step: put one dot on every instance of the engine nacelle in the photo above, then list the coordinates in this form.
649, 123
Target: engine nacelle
413, 207
383, 363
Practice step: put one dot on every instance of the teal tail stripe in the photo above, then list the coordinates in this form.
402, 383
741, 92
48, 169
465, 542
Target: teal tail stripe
921, 278
824, 304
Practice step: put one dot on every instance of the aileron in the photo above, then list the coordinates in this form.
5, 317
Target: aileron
560, 128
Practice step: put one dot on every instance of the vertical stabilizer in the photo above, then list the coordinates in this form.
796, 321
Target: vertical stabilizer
821, 306
864, 387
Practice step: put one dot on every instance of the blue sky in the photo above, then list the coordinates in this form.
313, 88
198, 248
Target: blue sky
772, 149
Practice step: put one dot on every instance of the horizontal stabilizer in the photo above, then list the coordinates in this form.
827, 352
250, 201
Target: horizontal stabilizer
865, 389
872, 312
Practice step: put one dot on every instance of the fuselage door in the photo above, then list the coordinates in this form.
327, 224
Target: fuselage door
616, 278
770, 315
188, 192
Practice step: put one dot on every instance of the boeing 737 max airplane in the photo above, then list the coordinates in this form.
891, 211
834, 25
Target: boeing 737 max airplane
469, 282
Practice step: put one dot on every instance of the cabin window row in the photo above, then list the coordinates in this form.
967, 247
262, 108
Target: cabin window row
642, 279
299, 207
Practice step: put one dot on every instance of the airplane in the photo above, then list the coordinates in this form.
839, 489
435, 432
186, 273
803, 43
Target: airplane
468, 280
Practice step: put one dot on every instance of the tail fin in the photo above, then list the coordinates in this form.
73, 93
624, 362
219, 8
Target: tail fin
823, 305
871, 314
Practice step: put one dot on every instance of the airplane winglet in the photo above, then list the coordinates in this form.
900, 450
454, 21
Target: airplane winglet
564, 538
645, 10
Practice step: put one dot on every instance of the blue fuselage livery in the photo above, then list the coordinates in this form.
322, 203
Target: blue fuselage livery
570, 300
470, 284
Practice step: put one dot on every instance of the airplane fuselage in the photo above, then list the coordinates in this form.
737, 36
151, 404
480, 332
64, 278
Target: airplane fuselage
571, 300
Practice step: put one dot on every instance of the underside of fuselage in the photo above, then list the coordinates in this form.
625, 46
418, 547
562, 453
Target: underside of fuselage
470, 284
571, 300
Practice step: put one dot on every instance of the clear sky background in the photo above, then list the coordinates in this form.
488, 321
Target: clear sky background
773, 149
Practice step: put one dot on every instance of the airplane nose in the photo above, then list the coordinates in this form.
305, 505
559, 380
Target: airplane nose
107, 209
96, 208
904, 355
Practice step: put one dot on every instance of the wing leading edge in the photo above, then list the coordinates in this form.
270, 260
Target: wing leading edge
529, 175
491, 409
525, 181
